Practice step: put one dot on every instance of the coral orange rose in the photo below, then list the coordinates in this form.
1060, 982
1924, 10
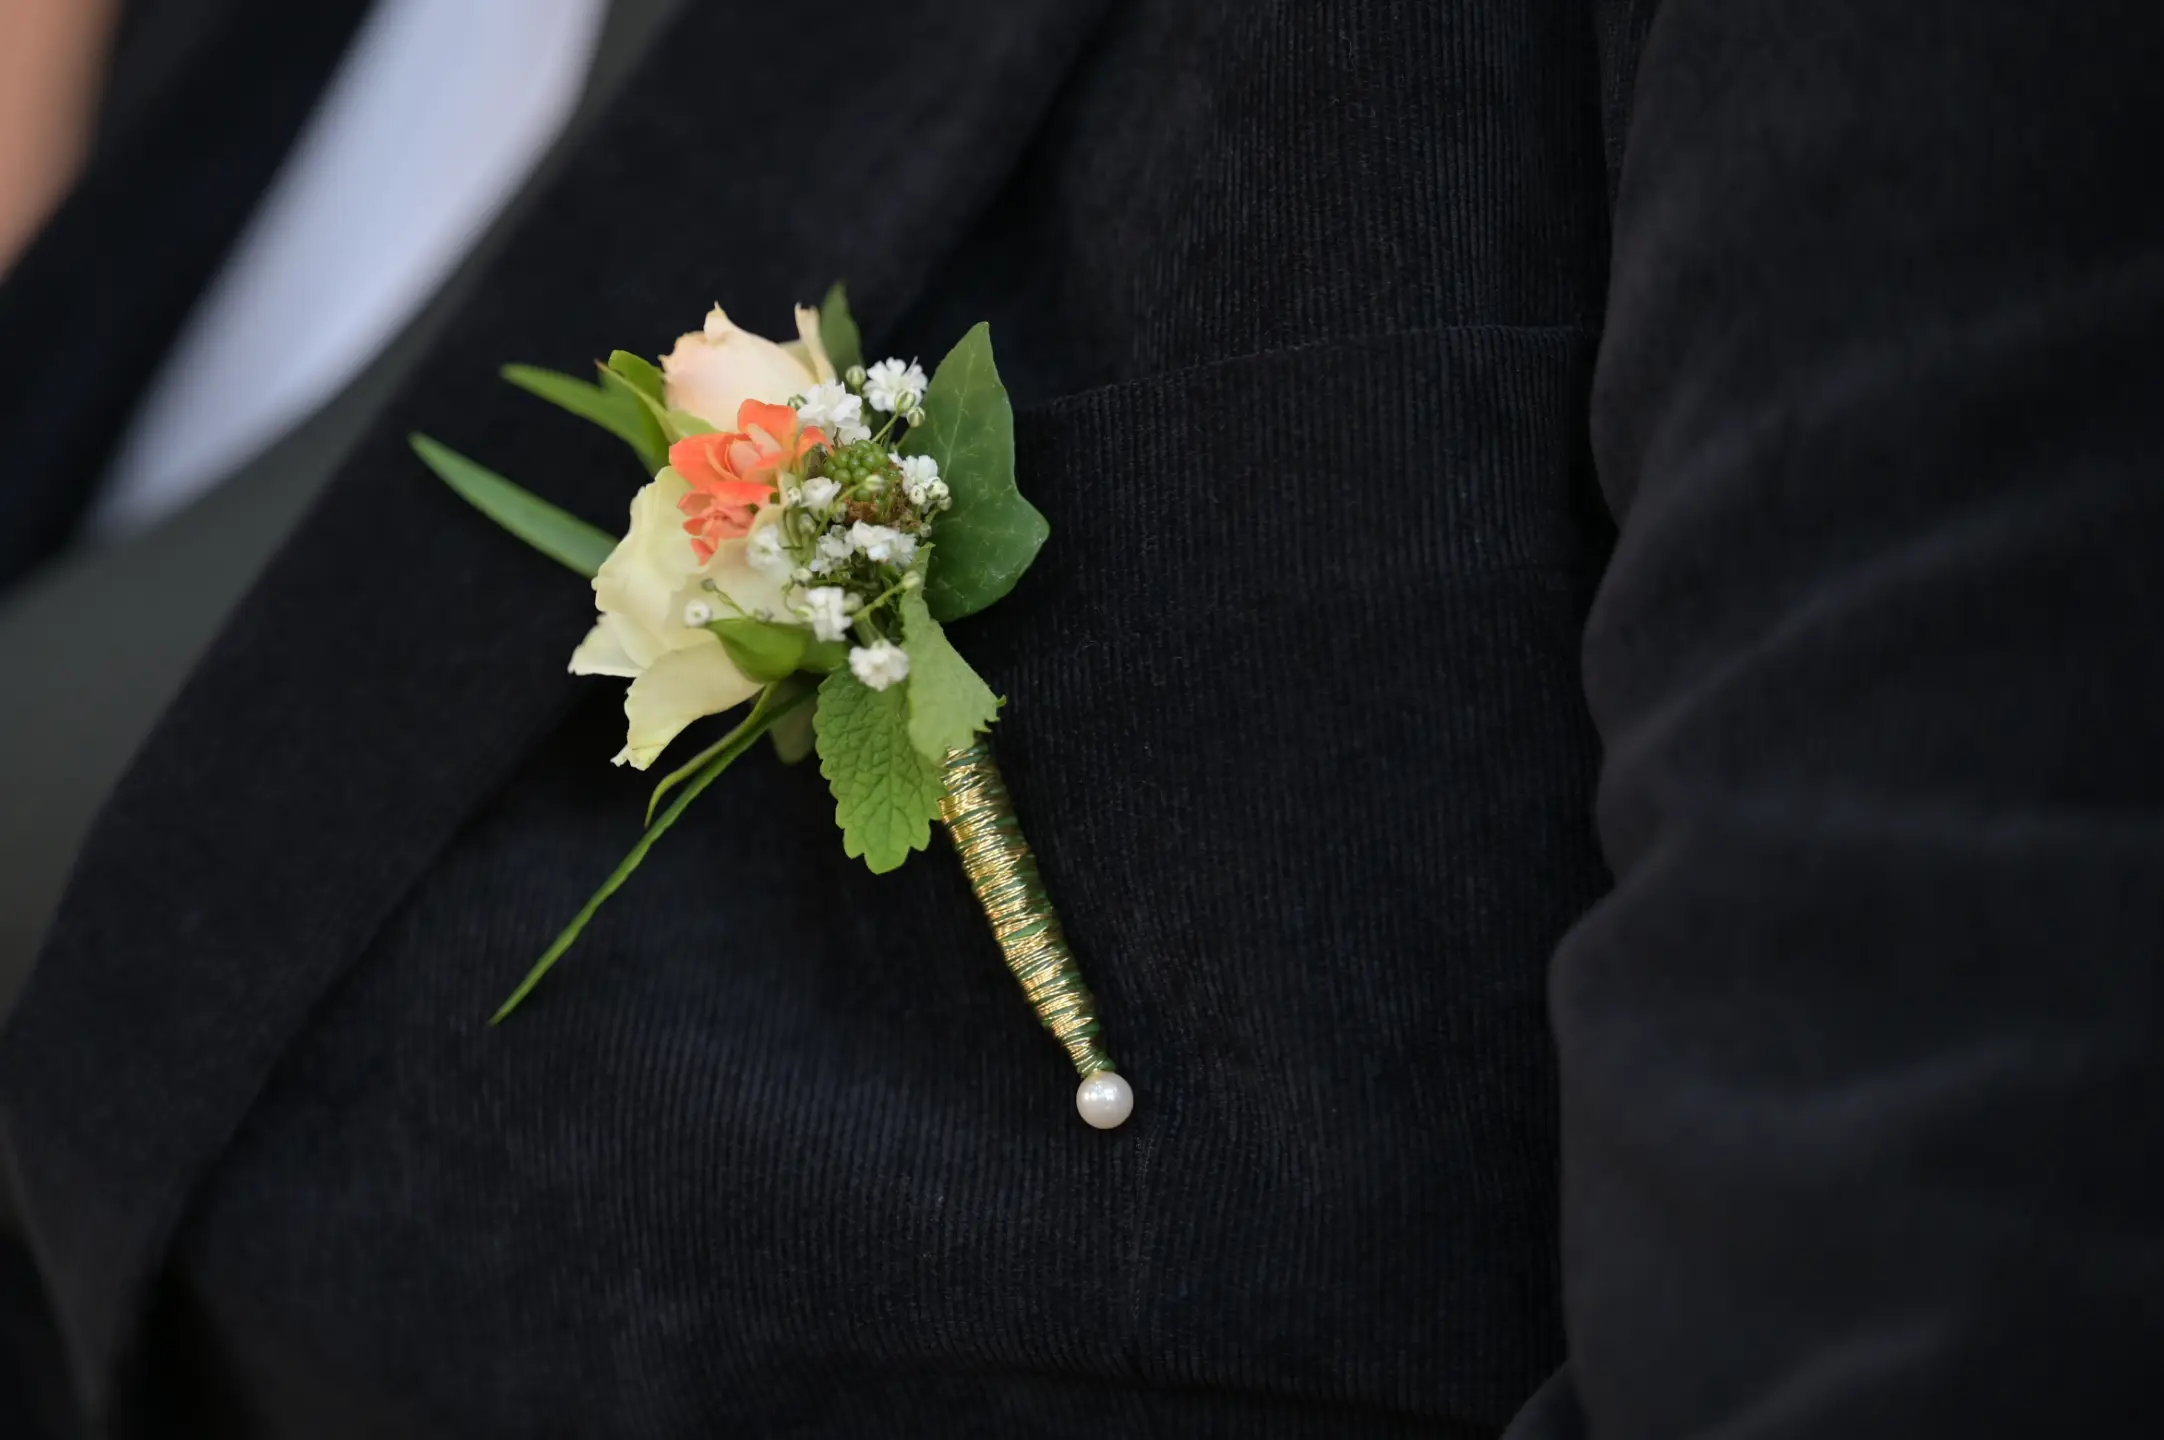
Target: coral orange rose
732, 474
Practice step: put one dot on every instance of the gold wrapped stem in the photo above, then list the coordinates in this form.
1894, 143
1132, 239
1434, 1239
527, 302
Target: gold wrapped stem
1003, 873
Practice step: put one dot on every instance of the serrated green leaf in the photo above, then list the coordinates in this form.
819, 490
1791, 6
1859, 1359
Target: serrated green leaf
613, 403
886, 795
561, 536
991, 534
838, 334
948, 701
775, 704
641, 372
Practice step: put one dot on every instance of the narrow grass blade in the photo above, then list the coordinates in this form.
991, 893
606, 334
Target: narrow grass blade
764, 712
561, 536
614, 403
716, 760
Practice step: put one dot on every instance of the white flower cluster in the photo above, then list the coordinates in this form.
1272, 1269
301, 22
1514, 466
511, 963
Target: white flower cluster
827, 607
831, 407
895, 388
921, 482
879, 664
766, 551
844, 541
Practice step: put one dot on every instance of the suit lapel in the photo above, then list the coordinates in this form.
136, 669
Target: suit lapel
186, 146
401, 655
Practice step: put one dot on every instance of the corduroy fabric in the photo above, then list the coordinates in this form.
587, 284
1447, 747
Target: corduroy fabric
1863, 1060
1299, 304
795, 1155
803, 1151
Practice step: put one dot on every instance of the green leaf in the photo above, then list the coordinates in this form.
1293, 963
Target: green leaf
886, 795
639, 371
991, 534
763, 650
614, 404
948, 702
823, 655
682, 425
767, 651
711, 763
561, 536
566, 392
642, 432
771, 698
838, 331
793, 735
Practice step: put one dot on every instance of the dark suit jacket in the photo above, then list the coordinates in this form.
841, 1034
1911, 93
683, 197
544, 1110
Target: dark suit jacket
202, 101
1305, 307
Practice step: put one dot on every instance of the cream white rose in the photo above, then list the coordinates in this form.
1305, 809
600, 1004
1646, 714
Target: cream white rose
712, 372
678, 670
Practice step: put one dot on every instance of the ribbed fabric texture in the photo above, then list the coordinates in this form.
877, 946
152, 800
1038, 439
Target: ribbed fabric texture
1860, 1055
1296, 303
784, 1133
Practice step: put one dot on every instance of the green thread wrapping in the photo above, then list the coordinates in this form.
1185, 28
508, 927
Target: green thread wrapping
1003, 873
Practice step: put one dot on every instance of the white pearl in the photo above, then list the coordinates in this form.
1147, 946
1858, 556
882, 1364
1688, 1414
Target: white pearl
1105, 1100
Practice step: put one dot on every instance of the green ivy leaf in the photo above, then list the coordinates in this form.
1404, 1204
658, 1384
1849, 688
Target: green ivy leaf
991, 534
614, 404
886, 795
561, 536
838, 331
948, 701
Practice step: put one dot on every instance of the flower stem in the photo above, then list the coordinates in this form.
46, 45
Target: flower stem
1003, 874
710, 763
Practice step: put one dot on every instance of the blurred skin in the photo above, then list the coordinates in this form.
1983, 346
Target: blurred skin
52, 55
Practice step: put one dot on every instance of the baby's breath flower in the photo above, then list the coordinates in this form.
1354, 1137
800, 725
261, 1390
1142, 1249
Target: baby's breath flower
826, 607
882, 543
697, 613
830, 406
819, 492
767, 553
918, 471
880, 664
895, 387
833, 549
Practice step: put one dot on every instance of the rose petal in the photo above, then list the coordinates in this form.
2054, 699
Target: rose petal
713, 371
602, 653
678, 688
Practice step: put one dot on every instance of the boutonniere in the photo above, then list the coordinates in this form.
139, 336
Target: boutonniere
810, 525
